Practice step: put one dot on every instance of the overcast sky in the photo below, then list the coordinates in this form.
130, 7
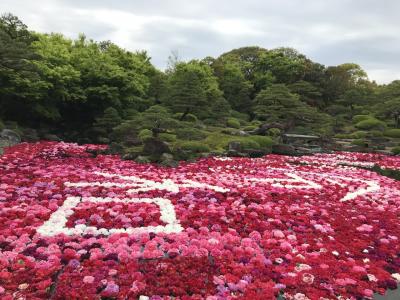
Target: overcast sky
330, 32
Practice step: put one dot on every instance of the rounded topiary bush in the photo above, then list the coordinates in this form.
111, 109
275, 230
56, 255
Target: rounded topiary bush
358, 135
195, 147
274, 132
144, 134
190, 134
371, 123
262, 141
394, 133
232, 122
358, 118
249, 143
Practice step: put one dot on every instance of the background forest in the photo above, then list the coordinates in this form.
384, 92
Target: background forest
52, 87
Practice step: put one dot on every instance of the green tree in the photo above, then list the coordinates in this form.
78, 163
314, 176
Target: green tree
237, 90
192, 89
107, 121
20, 82
339, 79
308, 92
278, 104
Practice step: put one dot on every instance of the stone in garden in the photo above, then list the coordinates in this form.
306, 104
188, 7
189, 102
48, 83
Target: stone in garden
51, 137
155, 147
30, 135
10, 136
283, 149
142, 159
167, 160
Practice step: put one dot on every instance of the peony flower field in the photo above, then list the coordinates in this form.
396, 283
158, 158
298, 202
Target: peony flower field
75, 225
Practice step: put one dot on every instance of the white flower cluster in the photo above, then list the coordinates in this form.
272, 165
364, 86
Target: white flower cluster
58, 220
143, 185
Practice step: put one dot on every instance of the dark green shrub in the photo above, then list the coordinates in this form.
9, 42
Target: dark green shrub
188, 118
394, 133
1, 125
232, 122
195, 147
358, 118
242, 117
371, 123
190, 134
396, 150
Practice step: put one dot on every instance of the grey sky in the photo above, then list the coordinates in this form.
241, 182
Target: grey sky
330, 32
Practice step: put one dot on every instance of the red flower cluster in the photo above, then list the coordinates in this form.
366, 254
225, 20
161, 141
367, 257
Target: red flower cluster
78, 226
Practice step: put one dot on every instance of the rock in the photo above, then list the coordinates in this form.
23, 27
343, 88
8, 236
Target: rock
284, 149
255, 153
132, 141
154, 147
9, 137
167, 160
241, 133
130, 156
234, 149
234, 146
103, 140
51, 137
142, 159
30, 135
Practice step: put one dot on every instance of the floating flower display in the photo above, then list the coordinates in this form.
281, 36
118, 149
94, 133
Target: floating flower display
78, 226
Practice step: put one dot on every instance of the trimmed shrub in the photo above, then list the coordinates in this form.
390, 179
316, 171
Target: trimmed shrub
188, 118
274, 132
256, 123
250, 128
144, 134
358, 118
167, 137
232, 122
393, 133
358, 135
262, 141
190, 134
360, 142
249, 143
374, 133
371, 123
396, 150
240, 116
195, 147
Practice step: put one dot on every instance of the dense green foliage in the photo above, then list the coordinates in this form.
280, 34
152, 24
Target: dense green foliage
88, 91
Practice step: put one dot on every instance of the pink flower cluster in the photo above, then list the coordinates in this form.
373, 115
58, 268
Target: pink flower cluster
78, 226
366, 160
